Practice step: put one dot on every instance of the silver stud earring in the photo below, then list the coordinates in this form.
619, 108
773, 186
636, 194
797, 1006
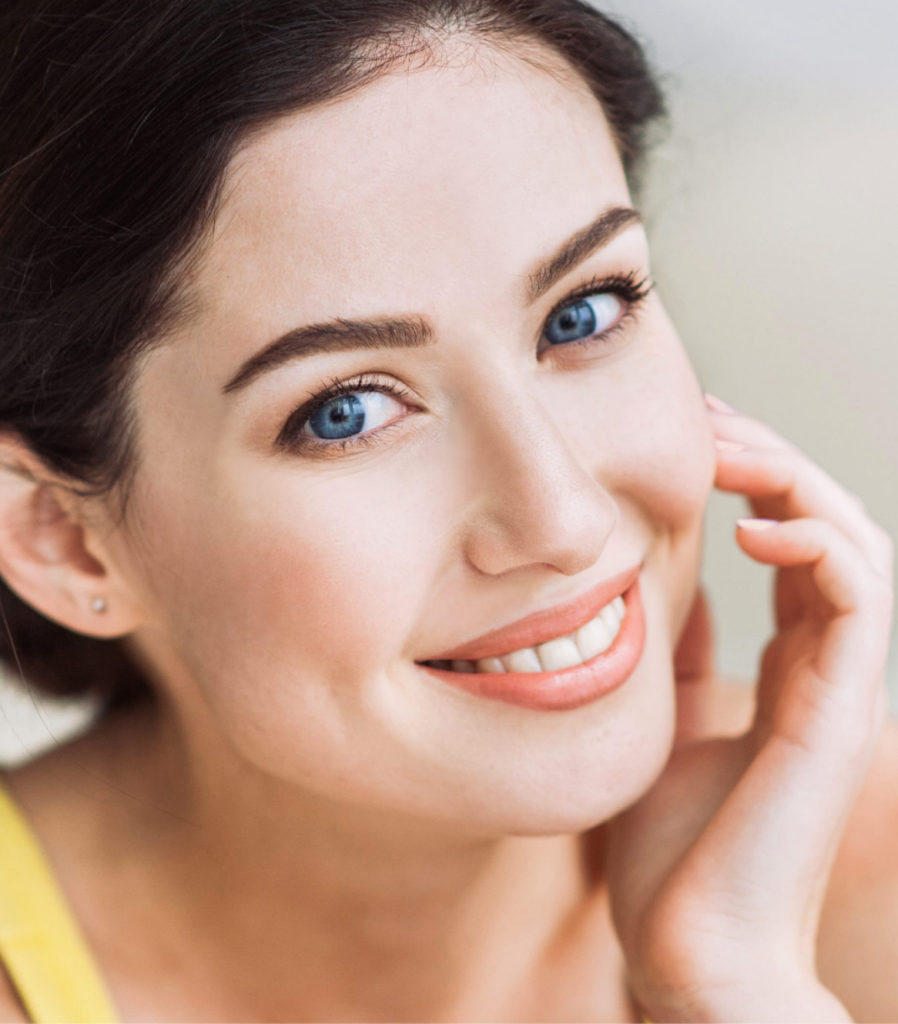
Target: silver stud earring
99, 605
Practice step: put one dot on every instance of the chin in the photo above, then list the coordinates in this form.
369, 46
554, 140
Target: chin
575, 809
604, 765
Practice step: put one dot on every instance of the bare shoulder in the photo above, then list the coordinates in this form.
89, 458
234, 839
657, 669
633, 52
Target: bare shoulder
11, 1009
857, 950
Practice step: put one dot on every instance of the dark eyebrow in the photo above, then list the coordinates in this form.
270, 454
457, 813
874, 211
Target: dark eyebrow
414, 331
335, 336
577, 248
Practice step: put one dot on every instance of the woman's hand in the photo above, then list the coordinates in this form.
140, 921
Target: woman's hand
718, 874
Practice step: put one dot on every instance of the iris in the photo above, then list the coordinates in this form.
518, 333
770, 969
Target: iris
583, 318
345, 414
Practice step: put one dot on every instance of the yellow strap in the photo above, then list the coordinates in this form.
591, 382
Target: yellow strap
41, 945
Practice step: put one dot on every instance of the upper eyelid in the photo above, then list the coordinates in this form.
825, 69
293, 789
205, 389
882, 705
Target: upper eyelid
603, 281
600, 284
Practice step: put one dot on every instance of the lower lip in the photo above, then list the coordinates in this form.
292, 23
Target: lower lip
565, 688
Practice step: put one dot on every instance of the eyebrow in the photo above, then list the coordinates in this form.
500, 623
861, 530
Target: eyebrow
341, 335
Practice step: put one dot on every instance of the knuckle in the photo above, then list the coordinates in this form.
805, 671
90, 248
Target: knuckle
786, 467
827, 534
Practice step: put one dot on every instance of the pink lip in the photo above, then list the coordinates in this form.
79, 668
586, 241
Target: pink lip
566, 688
545, 625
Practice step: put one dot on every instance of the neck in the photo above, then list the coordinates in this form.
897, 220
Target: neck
293, 906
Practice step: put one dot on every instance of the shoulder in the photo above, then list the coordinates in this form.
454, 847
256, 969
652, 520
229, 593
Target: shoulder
11, 1009
857, 948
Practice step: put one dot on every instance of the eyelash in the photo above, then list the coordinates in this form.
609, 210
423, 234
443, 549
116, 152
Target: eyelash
630, 287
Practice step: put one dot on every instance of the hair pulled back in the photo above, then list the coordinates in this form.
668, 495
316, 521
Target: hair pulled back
119, 120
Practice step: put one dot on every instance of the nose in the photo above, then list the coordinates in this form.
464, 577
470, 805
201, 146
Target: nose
539, 504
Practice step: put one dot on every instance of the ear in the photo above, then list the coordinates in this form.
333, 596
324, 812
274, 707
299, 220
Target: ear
51, 553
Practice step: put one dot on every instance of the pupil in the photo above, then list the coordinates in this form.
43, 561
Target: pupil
340, 418
577, 321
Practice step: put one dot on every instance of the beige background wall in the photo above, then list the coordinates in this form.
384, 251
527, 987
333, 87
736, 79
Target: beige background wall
773, 213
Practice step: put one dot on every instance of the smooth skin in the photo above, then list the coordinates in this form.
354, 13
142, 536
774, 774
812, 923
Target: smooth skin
307, 825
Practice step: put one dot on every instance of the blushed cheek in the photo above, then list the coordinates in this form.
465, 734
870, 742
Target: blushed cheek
316, 585
670, 468
665, 473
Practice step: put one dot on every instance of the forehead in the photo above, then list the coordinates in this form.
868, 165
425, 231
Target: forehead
482, 157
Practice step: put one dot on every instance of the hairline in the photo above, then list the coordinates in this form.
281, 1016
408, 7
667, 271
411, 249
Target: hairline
181, 306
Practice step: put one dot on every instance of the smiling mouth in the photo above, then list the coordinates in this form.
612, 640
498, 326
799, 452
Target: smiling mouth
617, 634
564, 651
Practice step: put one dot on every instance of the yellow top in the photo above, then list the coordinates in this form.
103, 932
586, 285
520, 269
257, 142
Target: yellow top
41, 946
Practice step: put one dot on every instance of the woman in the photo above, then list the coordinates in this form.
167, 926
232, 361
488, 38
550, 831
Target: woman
350, 455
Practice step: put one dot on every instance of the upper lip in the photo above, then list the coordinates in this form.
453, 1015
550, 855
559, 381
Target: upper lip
546, 625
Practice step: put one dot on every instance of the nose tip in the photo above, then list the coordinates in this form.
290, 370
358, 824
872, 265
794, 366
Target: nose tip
542, 506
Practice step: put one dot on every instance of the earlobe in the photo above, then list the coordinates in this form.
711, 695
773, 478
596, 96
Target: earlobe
47, 556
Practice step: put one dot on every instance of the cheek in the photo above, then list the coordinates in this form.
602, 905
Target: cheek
284, 617
299, 578
662, 473
337, 578
669, 468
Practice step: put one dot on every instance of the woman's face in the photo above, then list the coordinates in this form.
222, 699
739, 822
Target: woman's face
293, 573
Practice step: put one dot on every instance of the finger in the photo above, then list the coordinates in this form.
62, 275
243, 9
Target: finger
735, 428
849, 603
783, 819
792, 591
783, 484
733, 425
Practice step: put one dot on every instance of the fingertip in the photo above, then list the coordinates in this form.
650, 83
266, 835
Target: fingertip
718, 404
756, 525
730, 447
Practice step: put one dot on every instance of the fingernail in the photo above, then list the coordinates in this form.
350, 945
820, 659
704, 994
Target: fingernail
756, 524
729, 446
718, 404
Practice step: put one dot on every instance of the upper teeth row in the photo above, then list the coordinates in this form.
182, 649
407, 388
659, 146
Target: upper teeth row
595, 636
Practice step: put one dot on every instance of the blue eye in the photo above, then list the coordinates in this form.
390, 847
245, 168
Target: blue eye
584, 317
350, 414
344, 415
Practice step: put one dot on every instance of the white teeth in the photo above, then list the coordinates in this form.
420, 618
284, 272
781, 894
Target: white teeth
594, 637
525, 660
564, 652
556, 654
609, 616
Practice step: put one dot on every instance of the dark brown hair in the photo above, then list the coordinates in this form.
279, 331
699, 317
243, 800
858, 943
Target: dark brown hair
119, 121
